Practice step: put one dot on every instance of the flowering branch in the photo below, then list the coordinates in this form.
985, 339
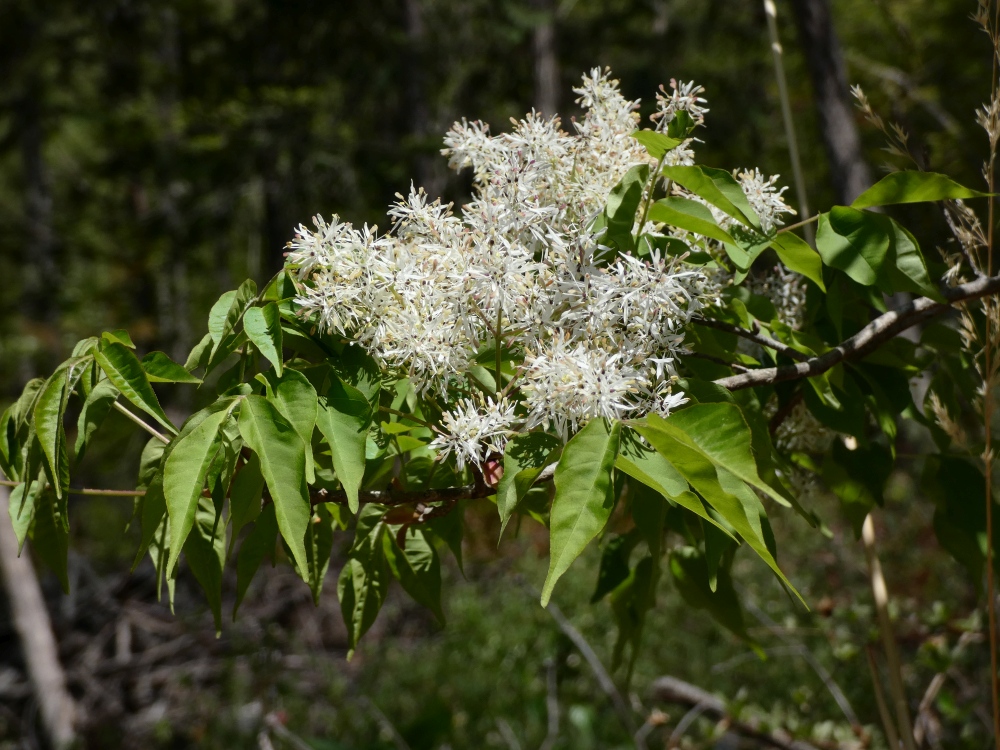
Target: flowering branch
869, 338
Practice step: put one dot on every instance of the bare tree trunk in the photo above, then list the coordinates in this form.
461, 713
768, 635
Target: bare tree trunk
31, 622
546, 62
848, 169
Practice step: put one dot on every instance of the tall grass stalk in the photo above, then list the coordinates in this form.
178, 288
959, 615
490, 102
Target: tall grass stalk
771, 11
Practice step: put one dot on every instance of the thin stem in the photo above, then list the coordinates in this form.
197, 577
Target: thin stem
756, 336
798, 224
891, 735
88, 492
497, 342
152, 431
510, 383
786, 112
652, 187
880, 593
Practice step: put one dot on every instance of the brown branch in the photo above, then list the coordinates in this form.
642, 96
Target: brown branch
87, 492
784, 412
672, 690
868, 339
755, 336
399, 497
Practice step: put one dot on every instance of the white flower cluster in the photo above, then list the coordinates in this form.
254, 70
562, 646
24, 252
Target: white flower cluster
764, 198
472, 431
517, 264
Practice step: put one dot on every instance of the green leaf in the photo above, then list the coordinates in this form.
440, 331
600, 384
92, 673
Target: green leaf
263, 327
125, 371
344, 418
356, 367
224, 316
913, 187
523, 460
656, 144
119, 336
283, 464
161, 369
152, 512
95, 409
184, 475
417, 567
872, 248
319, 545
656, 472
364, 579
245, 495
259, 542
295, 397
720, 432
623, 202
205, 551
629, 603
682, 125
24, 407
200, 354
649, 512
21, 509
796, 254
718, 187
854, 242
448, 529
49, 410
584, 496
614, 567
50, 534
908, 270
690, 573
688, 214
727, 444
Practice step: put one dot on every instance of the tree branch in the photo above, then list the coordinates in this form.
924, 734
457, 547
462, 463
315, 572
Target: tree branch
755, 336
868, 339
400, 497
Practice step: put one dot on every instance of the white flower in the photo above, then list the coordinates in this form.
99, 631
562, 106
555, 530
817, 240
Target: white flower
517, 261
764, 198
571, 383
683, 97
474, 432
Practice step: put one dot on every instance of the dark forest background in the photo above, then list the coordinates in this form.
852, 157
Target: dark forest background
153, 154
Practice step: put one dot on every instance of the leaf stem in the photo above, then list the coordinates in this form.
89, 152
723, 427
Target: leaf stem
152, 431
798, 224
88, 492
652, 186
